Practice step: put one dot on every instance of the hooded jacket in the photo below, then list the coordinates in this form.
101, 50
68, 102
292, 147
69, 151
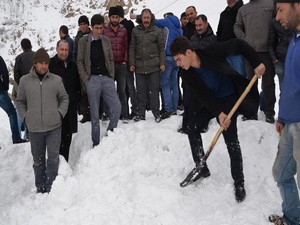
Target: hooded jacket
172, 24
289, 107
146, 51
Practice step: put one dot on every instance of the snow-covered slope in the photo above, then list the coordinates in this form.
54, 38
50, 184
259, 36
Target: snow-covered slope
133, 176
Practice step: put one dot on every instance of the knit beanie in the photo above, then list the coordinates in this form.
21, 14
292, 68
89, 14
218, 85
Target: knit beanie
83, 19
121, 11
286, 1
113, 11
41, 56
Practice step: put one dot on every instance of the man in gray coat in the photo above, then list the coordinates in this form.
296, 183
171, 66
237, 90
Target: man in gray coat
147, 59
252, 25
42, 102
96, 69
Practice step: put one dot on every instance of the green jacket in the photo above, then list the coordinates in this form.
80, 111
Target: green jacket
146, 50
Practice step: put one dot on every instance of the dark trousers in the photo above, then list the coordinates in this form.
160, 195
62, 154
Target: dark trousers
200, 117
268, 84
45, 172
66, 139
120, 77
149, 82
84, 108
131, 92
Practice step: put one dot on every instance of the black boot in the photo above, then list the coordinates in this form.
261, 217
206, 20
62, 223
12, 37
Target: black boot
240, 192
85, 118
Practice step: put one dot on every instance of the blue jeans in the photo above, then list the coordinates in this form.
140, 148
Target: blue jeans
20, 125
102, 86
168, 84
45, 172
286, 165
8, 107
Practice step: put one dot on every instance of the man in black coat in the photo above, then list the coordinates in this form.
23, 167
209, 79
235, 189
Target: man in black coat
227, 20
64, 67
191, 14
216, 86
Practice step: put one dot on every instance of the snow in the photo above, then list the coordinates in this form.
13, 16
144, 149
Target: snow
133, 176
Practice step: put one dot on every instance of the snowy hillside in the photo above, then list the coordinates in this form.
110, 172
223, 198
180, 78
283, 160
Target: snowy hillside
133, 176
39, 20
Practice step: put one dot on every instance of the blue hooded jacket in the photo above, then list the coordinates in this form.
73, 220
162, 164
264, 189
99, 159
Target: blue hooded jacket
289, 102
172, 24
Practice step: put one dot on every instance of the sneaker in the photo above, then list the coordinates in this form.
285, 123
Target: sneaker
270, 118
277, 220
20, 141
138, 118
85, 118
157, 119
240, 192
166, 115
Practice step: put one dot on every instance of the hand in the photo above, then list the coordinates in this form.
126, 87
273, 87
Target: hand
225, 123
279, 127
162, 68
260, 70
132, 68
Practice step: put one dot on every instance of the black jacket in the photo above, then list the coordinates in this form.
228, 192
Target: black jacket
226, 22
129, 25
23, 64
76, 41
279, 39
213, 58
4, 81
201, 41
189, 30
71, 82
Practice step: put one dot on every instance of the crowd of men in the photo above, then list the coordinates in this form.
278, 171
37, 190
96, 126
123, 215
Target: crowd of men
108, 64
